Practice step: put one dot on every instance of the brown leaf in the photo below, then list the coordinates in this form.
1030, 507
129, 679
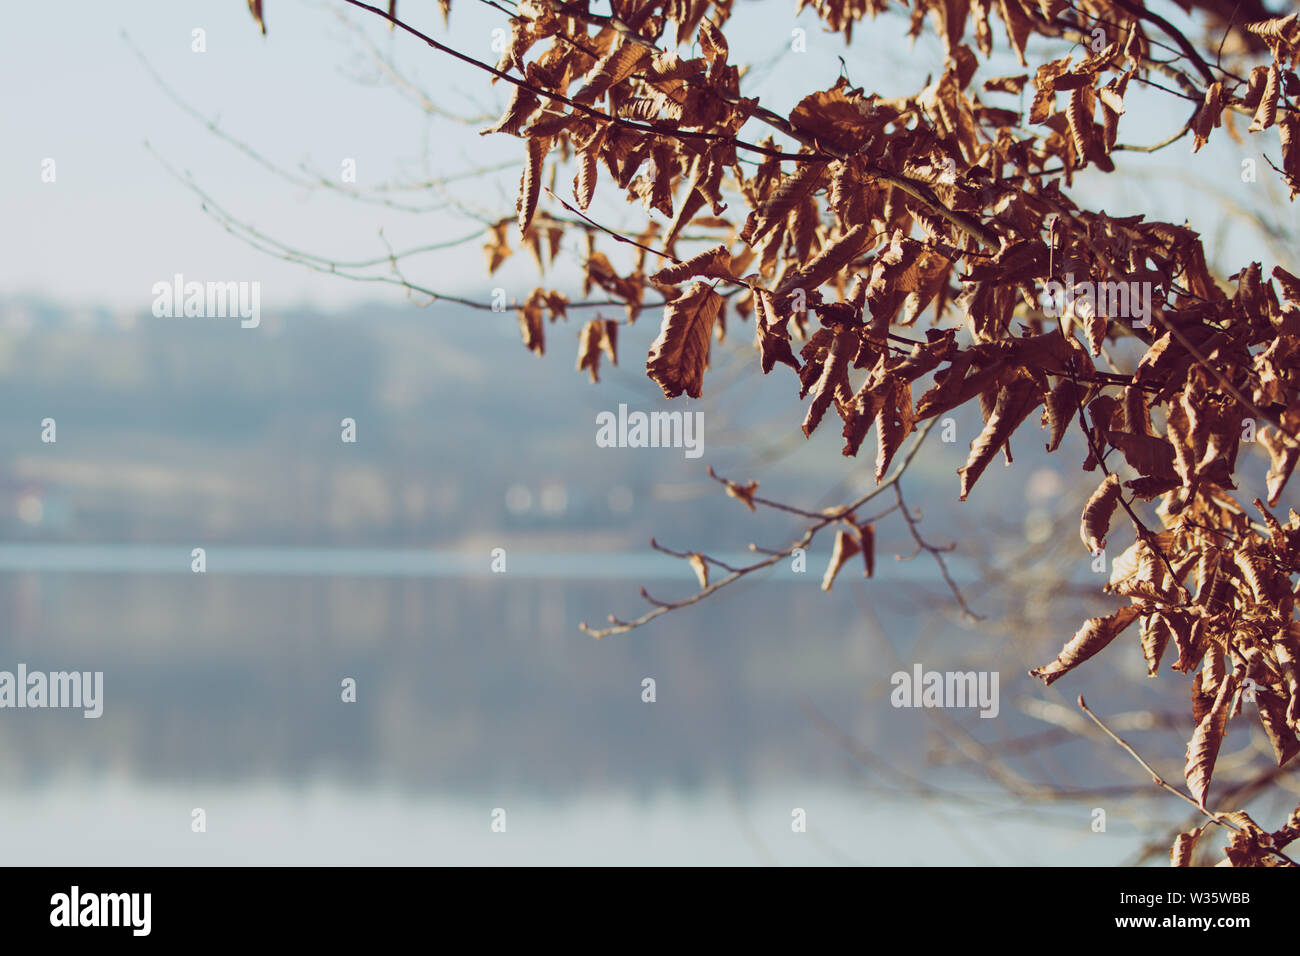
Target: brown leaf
1189, 638
1272, 716
1136, 47
835, 118
1282, 29
1289, 133
1287, 650
860, 414
654, 186
1045, 79
1155, 638
530, 183
610, 70
1019, 26
846, 546
1206, 683
701, 569
599, 272
1203, 748
498, 249
1266, 113
833, 381
1248, 846
867, 542
523, 104
1079, 114
1007, 84
1290, 284
742, 493
1139, 573
598, 335
1095, 327
772, 338
895, 420
894, 275
584, 183
788, 193
1257, 574
1111, 95
1208, 116
1095, 634
954, 388
1148, 455
1180, 854
833, 257
1153, 362
1283, 454
712, 263
712, 42
680, 353
1097, 513
1060, 409
1137, 416
255, 8
1014, 404
532, 325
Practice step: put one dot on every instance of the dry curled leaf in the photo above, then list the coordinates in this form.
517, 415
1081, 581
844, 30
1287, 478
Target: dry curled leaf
680, 353
1283, 455
1180, 854
523, 104
895, 420
1203, 749
1097, 513
1095, 634
255, 8
597, 336
530, 182
584, 183
1272, 717
610, 70
1014, 403
701, 569
867, 542
742, 493
1208, 116
714, 263
846, 546
532, 325
1267, 111
833, 381
1062, 404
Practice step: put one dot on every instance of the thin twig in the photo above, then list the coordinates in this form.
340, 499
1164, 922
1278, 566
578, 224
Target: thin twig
620, 626
1161, 782
936, 552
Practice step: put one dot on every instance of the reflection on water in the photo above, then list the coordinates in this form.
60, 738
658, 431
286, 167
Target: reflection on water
105, 823
473, 693
460, 681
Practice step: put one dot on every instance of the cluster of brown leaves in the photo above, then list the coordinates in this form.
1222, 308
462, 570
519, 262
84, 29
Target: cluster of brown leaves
863, 213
